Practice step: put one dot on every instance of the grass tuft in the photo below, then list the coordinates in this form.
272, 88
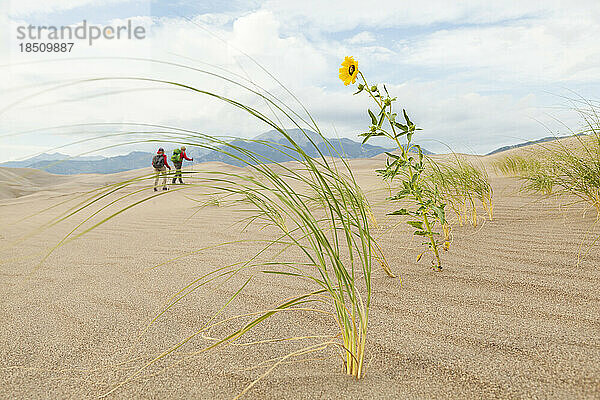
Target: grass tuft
568, 167
314, 204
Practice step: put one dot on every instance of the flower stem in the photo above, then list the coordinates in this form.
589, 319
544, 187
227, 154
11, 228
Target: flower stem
417, 195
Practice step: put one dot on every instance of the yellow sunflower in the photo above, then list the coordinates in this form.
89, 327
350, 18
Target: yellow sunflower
349, 70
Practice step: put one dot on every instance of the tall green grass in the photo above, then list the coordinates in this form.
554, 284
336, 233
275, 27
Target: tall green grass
464, 186
563, 167
315, 204
517, 164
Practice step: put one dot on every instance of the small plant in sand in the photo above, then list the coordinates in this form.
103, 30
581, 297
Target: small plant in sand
407, 164
570, 166
533, 170
516, 165
463, 185
536, 173
331, 234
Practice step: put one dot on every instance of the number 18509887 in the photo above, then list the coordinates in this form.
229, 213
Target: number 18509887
46, 47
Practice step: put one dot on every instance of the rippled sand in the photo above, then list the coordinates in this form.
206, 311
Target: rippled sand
511, 316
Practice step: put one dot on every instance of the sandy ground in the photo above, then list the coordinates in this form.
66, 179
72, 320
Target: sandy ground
511, 316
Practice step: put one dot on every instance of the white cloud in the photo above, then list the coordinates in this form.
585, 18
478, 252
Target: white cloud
362, 38
452, 116
257, 34
456, 98
21, 8
351, 14
552, 49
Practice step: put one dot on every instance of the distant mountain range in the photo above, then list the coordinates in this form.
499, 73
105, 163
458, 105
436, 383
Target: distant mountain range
542, 140
263, 145
62, 164
46, 157
85, 165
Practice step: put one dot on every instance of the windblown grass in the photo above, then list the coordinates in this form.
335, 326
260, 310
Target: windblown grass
534, 172
563, 167
516, 165
314, 203
464, 186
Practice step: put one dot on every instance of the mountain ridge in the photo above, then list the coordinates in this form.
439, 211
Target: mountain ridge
530, 142
268, 145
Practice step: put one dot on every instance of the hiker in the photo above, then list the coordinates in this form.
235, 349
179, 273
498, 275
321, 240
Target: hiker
177, 158
159, 162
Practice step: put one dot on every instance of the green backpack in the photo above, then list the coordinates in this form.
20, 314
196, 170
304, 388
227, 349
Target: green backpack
176, 157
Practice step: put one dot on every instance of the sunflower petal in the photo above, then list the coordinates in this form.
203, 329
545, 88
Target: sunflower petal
348, 65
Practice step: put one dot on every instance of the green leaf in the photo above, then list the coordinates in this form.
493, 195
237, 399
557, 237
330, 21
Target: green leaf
402, 211
415, 224
373, 118
408, 122
400, 195
381, 119
414, 179
401, 126
440, 213
419, 151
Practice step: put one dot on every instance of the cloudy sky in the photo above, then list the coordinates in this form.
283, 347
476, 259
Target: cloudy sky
475, 75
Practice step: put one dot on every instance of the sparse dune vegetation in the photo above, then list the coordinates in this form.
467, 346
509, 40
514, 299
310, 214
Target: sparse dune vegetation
568, 166
465, 186
325, 258
314, 203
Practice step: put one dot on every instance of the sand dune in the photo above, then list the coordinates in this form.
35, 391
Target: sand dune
511, 316
17, 182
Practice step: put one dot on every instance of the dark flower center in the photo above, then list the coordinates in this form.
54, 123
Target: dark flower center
351, 69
